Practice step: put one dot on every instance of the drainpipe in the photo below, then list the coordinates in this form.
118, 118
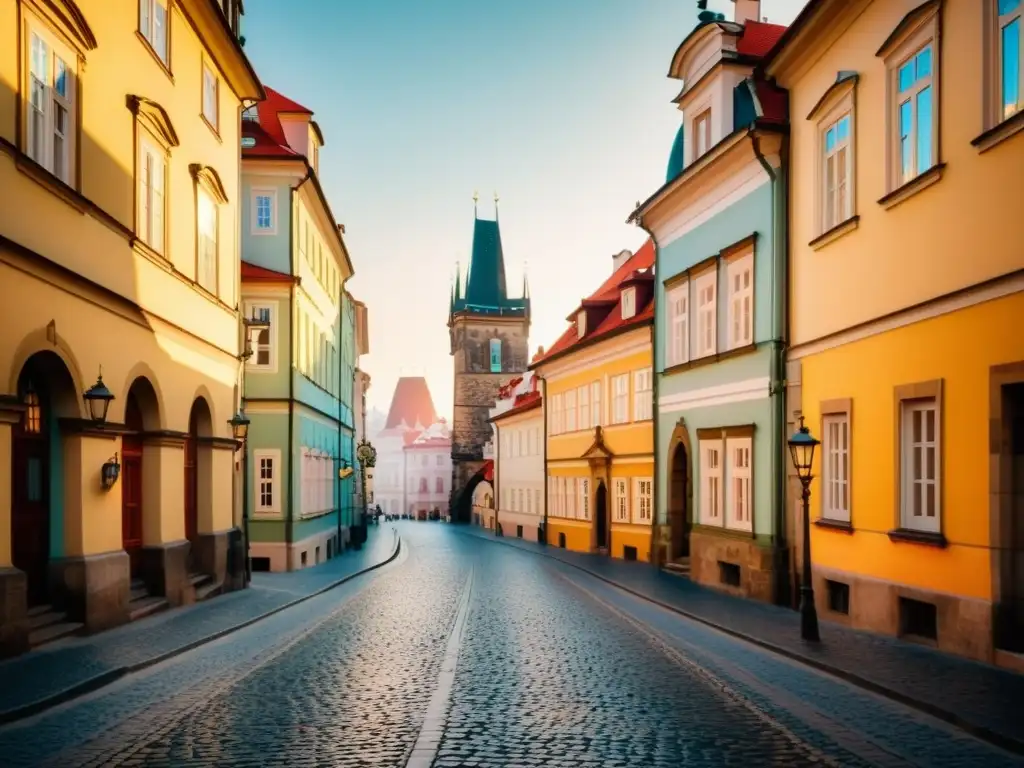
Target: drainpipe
544, 458
778, 288
497, 476
656, 516
341, 369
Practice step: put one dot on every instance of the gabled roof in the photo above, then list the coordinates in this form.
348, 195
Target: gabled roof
526, 401
253, 273
758, 38
610, 291
411, 404
268, 132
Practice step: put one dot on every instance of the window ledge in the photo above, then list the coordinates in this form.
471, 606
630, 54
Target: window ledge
999, 132
727, 533
835, 233
920, 182
142, 247
156, 56
212, 127
716, 357
834, 525
918, 537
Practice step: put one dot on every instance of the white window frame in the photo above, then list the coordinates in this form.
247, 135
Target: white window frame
836, 194
628, 302
151, 218
712, 482
643, 395
835, 469
595, 404
702, 134
269, 310
643, 488
583, 502
900, 51
255, 195
620, 500
740, 309
705, 285
583, 407
207, 272
569, 400
581, 324
620, 399
274, 457
211, 80
739, 486
571, 498
909, 520
149, 29
49, 101
538, 501
996, 108
677, 337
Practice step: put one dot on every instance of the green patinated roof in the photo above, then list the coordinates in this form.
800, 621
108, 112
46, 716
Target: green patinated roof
485, 290
675, 158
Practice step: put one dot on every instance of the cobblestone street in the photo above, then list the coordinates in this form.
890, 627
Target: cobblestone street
552, 667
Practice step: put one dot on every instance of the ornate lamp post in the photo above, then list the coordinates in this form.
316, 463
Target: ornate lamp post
801, 448
367, 456
240, 430
98, 398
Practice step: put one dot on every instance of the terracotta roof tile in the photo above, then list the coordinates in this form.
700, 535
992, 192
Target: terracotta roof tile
268, 132
758, 38
253, 273
411, 403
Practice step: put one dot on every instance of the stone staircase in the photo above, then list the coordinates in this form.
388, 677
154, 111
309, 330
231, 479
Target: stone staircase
142, 604
47, 625
204, 585
680, 567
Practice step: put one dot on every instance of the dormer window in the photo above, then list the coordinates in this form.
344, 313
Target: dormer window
251, 113
628, 303
702, 133
581, 324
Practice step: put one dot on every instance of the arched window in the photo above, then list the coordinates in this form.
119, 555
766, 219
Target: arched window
495, 355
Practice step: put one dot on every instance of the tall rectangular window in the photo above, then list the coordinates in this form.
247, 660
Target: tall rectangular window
628, 303
206, 228
152, 196
583, 401
707, 313
702, 134
620, 500
495, 347
1009, 58
739, 494
740, 274
266, 483
643, 392
642, 499
570, 410
838, 168
264, 212
211, 109
620, 399
835, 454
915, 115
678, 337
583, 510
262, 349
153, 27
920, 465
711, 482
595, 404
51, 109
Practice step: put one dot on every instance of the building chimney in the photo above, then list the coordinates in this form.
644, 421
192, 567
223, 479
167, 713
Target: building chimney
621, 258
746, 10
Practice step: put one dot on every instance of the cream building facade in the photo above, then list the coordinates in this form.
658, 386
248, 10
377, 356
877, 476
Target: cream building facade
119, 161
518, 422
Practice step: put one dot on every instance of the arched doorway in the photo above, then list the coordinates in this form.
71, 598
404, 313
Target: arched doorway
601, 516
678, 502
47, 390
141, 414
200, 424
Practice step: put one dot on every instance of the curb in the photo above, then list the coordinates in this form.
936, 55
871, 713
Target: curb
106, 678
980, 732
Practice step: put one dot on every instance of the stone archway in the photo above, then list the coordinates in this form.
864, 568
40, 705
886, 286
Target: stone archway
198, 467
679, 474
48, 392
140, 503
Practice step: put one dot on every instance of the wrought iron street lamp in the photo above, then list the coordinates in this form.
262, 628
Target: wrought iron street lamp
801, 448
98, 398
240, 430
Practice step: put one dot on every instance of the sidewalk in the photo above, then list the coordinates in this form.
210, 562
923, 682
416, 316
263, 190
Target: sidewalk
69, 668
982, 699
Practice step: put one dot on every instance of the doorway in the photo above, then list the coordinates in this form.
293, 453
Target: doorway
1010, 628
30, 509
131, 484
601, 516
679, 491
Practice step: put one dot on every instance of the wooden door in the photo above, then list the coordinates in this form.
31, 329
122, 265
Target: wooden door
131, 497
30, 512
601, 516
191, 488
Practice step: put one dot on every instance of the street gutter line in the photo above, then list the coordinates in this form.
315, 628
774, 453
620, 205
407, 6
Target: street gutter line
432, 730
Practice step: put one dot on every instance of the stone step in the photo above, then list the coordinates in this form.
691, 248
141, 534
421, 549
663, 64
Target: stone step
147, 606
138, 593
207, 590
138, 583
38, 609
52, 632
45, 618
199, 579
679, 567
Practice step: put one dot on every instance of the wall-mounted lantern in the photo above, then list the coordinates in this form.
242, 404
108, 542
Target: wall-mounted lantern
98, 398
346, 469
110, 472
239, 428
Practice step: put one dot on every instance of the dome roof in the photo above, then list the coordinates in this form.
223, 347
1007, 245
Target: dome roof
675, 158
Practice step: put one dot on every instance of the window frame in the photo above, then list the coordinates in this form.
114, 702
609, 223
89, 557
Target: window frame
57, 48
494, 363
209, 69
910, 399
201, 193
620, 399
569, 409
628, 302
994, 108
701, 282
712, 516
838, 102
643, 407
145, 35
745, 475
838, 414
250, 307
254, 195
581, 323
702, 119
148, 144
596, 415
640, 496
677, 337
583, 407
742, 262
274, 456
620, 500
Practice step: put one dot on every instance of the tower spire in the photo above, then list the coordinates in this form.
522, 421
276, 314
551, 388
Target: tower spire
495, 205
526, 282
476, 199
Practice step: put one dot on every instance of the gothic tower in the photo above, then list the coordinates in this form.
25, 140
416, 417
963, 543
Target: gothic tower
488, 333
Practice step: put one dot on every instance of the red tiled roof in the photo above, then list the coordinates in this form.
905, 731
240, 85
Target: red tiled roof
268, 133
610, 291
411, 403
774, 105
252, 273
524, 402
757, 39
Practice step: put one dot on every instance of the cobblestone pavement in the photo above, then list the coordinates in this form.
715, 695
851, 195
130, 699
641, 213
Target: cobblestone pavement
553, 668
42, 674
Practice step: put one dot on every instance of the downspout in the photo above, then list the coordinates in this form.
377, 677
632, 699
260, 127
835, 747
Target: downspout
341, 355
544, 457
778, 290
497, 476
656, 516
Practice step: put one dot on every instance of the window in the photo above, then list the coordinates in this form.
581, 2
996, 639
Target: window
915, 116
707, 325
263, 356
151, 225
264, 212
838, 166
153, 27
620, 399
920, 465
538, 504
555, 415
620, 512
711, 483
583, 399
581, 324
438, 485
678, 297
1008, 58
529, 503
495, 355
628, 303
206, 225
702, 133
440, 460
423, 485
642, 499
740, 501
570, 491
50, 111
740, 274
570, 411
583, 509
835, 476
643, 401
595, 404
266, 481
553, 495
210, 103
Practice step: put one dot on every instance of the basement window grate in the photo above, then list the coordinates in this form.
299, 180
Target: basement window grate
729, 574
838, 596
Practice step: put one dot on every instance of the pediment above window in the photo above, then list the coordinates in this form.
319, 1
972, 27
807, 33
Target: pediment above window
70, 18
208, 177
909, 24
845, 82
156, 119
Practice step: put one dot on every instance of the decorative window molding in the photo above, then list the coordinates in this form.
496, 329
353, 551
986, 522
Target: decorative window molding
912, 61
1004, 71
643, 395
267, 481
51, 100
835, 115
620, 399
628, 302
836, 460
739, 493
678, 335
211, 97
740, 309
642, 490
264, 341
706, 289
154, 30
210, 179
620, 500
72, 23
712, 495
155, 118
263, 211
919, 457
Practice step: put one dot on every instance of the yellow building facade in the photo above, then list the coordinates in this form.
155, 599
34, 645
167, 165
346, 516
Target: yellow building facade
597, 389
119, 161
906, 303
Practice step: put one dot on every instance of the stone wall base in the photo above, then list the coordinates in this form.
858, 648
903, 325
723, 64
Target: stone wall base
708, 550
164, 568
13, 612
963, 624
93, 589
210, 554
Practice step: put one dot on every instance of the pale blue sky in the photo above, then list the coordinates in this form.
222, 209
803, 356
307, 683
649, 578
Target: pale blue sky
562, 106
